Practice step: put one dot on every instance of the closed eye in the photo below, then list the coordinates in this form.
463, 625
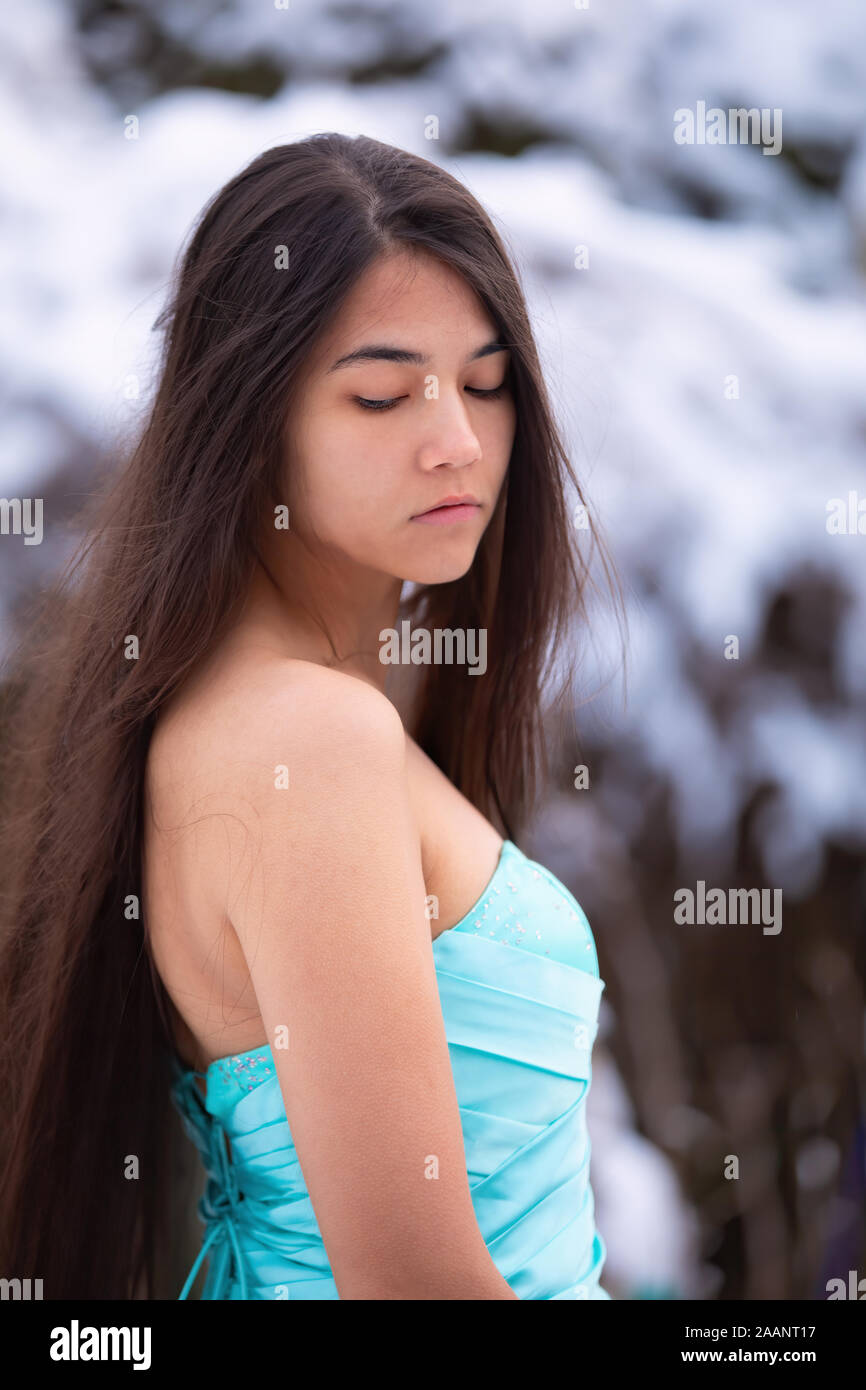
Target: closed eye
389, 404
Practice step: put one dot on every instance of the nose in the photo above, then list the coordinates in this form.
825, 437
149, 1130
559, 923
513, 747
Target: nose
449, 437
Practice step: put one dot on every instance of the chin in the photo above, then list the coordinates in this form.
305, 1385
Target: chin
438, 569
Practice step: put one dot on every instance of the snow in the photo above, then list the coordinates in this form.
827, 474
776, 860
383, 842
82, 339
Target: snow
709, 370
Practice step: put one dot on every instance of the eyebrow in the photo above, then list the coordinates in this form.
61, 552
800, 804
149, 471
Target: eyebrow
383, 352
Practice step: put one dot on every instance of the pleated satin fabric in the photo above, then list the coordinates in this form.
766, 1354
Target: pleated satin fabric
520, 995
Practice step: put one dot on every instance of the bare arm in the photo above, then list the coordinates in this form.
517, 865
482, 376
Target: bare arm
326, 895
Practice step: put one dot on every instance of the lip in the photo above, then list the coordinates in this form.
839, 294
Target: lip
452, 508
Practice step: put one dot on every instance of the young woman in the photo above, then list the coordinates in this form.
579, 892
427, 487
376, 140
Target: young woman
241, 880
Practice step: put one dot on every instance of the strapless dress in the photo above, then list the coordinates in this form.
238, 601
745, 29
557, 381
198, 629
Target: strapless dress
520, 992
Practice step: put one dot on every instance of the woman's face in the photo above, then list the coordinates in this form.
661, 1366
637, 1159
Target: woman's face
359, 474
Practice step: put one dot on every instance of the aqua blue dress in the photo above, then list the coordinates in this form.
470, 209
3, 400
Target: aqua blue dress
520, 992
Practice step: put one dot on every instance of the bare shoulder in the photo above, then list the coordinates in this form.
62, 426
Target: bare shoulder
278, 706
273, 764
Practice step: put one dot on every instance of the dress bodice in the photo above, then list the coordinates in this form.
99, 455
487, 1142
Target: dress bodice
520, 992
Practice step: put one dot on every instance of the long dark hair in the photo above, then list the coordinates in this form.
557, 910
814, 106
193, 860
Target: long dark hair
167, 556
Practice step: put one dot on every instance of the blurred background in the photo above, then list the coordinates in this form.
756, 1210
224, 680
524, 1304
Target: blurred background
699, 308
